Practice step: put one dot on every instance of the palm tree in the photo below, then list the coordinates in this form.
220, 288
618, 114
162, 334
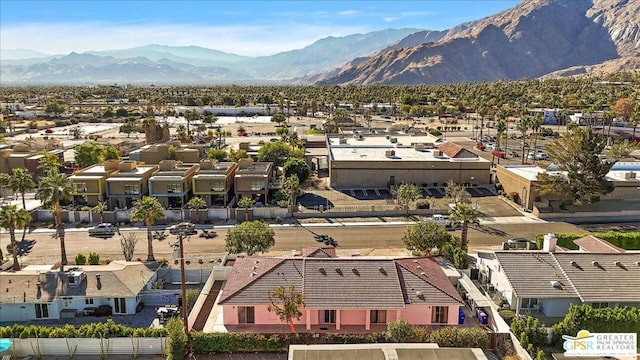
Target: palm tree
148, 209
246, 202
99, 209
21, 182
292, 185
464, 213
196, 203
11, 218
53, 189
49, 162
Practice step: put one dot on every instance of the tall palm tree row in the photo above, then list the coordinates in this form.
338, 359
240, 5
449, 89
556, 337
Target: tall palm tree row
11, 219
148, 209
53, 189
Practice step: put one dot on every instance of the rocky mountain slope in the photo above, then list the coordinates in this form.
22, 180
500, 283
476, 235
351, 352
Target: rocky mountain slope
532, 39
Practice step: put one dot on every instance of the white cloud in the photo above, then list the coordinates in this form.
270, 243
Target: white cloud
417, 13
348, 13
389, 18
252, 40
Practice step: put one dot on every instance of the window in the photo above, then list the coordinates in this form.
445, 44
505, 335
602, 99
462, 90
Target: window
599, 305
258, 185
246, 314
174, 188
529, 303
88, 301
327, 316
440, 315
378, 316
79, 187
217, 186
42, 311
132, 189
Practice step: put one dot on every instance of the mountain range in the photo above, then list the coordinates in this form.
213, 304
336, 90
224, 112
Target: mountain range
535, 38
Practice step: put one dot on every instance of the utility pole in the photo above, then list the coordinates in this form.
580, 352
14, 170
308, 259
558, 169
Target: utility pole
183, 286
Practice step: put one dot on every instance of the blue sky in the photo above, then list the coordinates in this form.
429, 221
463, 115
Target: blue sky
251, 28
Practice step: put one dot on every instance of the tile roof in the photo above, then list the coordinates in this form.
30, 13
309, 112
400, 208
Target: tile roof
344, 283
456, 151
592, 277
606, 282
118, 279
428, 278
335, 283
592, 244
531, 274
319, 252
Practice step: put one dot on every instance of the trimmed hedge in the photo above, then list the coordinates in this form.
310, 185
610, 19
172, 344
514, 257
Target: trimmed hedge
460, 337
604, 320
627, 241
107, 329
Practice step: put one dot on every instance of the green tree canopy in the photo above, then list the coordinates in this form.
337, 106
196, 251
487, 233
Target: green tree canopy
90, 153
279, 118
424, 236
407, 193
21, 182
466, 214
249, 237
217, 154
11, 219
278, 153
49, 162
297, 167
582, 176
53, 189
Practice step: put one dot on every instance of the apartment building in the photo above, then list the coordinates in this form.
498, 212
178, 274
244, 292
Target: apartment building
129, 183
214, 182
256, 179
171, 184
90, 184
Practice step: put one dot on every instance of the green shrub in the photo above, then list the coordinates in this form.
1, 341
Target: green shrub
177, 339
236, 342
507, 315
80, 259
452, 336
604, 320
627, 241
94, 258
402, 332
92, 330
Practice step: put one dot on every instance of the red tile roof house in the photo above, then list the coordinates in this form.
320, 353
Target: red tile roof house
350, 294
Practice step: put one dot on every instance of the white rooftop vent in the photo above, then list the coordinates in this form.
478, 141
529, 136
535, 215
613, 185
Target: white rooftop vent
556, 284
573, 263
419, 294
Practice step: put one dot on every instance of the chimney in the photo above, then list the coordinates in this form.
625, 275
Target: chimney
549, 242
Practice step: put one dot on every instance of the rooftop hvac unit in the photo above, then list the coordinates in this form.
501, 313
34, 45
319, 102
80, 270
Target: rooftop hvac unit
343, 141
390, 153
393, 140
630, 175
418, 147
437, 153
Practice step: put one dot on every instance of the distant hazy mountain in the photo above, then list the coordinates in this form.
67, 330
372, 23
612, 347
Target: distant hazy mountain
17, 54
532, 39
160, 64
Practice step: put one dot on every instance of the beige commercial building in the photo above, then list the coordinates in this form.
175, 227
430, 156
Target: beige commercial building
520, 182
378, 161
172, 150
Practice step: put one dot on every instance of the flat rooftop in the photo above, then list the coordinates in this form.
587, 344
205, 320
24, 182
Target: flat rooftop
257, 167
530, 172
381, 140
379, 153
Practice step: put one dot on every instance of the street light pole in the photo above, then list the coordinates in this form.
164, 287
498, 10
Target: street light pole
183, 286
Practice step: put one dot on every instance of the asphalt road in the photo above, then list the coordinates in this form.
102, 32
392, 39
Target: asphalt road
367, 239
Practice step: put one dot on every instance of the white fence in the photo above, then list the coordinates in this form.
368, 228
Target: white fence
69, 347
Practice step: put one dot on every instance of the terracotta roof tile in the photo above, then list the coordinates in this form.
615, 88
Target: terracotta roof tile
456, 151
319, 252
429, 272
245, 271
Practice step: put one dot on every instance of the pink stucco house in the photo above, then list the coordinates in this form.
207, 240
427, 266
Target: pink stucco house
345, 294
